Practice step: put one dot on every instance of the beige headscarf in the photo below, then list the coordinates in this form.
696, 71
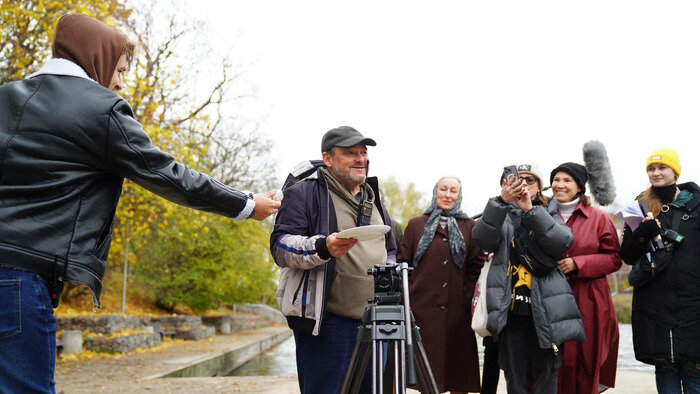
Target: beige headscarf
91, 44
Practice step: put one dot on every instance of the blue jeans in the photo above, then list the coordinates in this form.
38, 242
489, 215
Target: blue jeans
323, 360
27, 334
670, 377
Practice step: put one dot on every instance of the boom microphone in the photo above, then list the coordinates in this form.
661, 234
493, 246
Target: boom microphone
600, 175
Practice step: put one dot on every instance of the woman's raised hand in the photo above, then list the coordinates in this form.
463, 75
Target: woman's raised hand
512, 189
523, 200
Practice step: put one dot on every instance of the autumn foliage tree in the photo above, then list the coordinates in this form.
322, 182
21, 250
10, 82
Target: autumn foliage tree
404, 201
26, 30
179, 256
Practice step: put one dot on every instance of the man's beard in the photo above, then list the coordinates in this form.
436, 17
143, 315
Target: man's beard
348, 180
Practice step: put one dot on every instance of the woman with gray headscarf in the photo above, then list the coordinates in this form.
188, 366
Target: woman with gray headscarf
446, 267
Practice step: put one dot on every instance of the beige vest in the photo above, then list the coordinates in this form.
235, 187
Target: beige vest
352, 286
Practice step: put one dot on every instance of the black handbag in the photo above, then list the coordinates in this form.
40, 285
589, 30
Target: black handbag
654, 262
529, 253
649, 266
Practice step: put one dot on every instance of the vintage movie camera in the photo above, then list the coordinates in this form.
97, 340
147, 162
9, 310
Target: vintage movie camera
388, 285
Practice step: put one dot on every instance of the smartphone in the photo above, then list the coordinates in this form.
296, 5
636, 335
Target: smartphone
509, 173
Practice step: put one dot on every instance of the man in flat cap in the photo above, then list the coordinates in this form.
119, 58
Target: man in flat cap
67, 142
324, 286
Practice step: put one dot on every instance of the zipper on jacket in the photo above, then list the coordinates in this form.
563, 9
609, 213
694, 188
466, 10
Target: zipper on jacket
305, 281
670, 332
510, 279
555, 349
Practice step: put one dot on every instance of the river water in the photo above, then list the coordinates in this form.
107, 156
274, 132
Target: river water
281, 360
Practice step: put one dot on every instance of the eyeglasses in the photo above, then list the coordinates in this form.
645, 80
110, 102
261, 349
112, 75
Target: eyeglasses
529, 180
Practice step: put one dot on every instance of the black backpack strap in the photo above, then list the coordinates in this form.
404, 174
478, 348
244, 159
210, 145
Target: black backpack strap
643, 206
676, 223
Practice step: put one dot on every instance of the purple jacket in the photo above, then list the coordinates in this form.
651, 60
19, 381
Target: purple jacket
298, 245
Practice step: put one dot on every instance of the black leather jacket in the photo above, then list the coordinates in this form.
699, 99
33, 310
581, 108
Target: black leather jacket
66, 145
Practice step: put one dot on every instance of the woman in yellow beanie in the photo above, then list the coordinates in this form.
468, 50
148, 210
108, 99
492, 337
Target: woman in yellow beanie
666, 276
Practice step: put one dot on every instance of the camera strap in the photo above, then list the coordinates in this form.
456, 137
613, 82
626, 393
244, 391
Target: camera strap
364, 212
676, 224
364, 216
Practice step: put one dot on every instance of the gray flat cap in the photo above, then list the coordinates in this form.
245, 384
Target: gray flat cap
344, 137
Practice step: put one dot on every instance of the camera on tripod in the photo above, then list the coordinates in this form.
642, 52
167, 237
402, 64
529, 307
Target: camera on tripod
388, 284
390, 339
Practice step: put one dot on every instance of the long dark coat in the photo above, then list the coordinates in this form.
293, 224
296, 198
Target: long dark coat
666, 311
441, 294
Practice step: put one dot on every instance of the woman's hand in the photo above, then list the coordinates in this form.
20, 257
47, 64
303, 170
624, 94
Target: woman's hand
510, 190
649, 227
649, 217
523, 200
567, 265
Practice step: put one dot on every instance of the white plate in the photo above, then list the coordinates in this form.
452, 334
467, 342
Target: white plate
364, 233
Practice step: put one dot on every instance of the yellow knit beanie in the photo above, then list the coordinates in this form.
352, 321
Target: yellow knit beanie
666, 156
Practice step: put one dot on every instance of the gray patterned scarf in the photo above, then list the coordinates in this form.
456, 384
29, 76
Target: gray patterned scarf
457, 245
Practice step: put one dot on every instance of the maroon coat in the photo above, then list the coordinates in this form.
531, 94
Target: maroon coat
441, 295
596, 252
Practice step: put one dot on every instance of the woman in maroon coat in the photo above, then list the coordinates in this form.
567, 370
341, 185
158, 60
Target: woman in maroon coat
446, 267
590, 366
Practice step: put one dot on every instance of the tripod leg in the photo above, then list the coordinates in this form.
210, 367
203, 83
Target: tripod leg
379, 362
388, 372
397, 371
356, 368
352, 367
374, 367
426, 380
420, 374
403, 365
391, 369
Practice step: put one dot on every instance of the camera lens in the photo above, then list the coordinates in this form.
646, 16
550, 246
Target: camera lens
383, 281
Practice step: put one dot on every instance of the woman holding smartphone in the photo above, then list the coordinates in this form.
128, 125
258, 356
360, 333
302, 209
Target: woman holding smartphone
530, 306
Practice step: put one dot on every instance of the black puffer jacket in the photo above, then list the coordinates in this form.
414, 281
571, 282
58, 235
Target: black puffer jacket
666, 311
554, 311
66, 145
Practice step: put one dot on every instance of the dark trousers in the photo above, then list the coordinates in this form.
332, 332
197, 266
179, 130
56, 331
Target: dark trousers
671, 376
27, 334
489, 379
323, 360
527, 367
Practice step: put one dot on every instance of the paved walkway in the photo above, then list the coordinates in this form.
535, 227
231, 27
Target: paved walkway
132, 373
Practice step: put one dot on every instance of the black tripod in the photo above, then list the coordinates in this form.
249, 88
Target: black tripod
384, 327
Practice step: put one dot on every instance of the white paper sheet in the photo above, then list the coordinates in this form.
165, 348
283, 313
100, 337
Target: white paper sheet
631, 215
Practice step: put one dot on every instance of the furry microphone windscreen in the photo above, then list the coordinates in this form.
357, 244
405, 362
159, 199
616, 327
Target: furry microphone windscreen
600, 174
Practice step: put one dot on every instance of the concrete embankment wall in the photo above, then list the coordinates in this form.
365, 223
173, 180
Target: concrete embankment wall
228, 360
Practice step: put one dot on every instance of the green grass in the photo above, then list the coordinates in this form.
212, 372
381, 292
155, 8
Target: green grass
623, 307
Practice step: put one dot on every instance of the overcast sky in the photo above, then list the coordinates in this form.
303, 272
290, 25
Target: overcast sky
464, 88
